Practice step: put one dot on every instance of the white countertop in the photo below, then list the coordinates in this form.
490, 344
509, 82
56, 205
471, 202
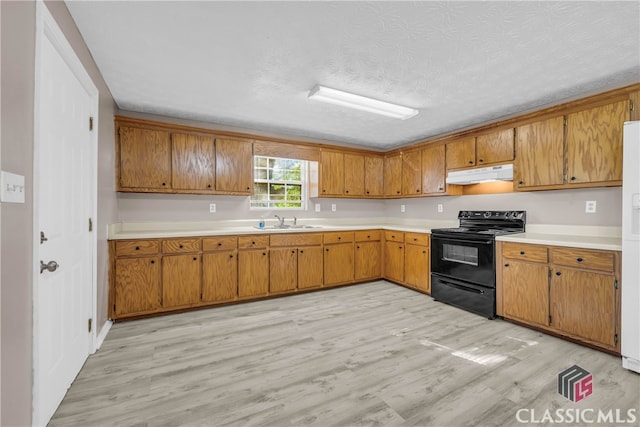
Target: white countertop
588, 237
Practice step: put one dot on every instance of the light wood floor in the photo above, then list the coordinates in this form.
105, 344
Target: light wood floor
373, 354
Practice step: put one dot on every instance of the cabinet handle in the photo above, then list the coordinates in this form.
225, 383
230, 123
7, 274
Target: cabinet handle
415, 239
208, 185
367, 192
153, 262
327, 249
164, 183
293, 251
230, 256
440, 188
397, 192
521, 252
253, 243
558, 273
368, 237
181, 246
195, 258
137, 248
393, 237
417, 190
339, 237
324, 191
399, 247
301, 251
219, 243
424, 252
579, 259
506, 265
520, 182
470, 162
573, 178
264, 253
248, 188
357, 247
481, 160
346, 191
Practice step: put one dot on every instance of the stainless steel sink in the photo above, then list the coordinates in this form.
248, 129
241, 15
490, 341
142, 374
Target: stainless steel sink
287, 227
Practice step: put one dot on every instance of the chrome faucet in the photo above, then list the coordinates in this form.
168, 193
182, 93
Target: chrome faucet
281, 224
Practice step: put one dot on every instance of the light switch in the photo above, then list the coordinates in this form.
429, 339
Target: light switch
12, 187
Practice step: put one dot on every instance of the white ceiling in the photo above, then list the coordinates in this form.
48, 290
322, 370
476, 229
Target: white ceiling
252, 64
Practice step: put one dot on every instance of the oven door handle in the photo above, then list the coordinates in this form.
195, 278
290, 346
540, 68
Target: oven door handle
462, 288
453, 239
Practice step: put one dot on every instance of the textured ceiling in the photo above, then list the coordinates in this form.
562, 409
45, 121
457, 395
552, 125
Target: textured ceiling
252, 64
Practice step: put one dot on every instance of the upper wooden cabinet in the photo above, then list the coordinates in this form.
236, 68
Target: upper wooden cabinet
393, 175
494, 147
373, 176
461, 153
433, 169
193, 159
594, 143
234, 166
331, 173
353, 174
539, 159
145, 159
412, 173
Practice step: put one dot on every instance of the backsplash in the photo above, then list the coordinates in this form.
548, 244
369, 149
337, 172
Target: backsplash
543, 207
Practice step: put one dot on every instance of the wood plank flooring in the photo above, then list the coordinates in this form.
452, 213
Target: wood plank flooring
374, 354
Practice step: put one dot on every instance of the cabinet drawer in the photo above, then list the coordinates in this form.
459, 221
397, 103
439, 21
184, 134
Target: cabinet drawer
137, 247
583, 258
253, 242
176, 246
306, 239
417, 238
338, 237
394, 236
367, 235
525, 252
222, 243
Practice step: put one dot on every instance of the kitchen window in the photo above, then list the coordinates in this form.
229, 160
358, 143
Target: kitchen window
279, 183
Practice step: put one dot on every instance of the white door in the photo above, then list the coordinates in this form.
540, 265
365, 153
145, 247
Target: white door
64, 194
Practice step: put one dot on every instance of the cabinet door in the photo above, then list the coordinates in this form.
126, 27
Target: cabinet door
393, 175
234, 166
394, 261
253, 273
594, 143
461, 154
433, 169
331, 173
338, 263
145, 158
373, 176
181, 280
583, 304
539, 154
367, 260
494, 147
525, 290
416, 267
310, 267
354, 175
137, 285
412, 173
193, 159
219, 276
283, 269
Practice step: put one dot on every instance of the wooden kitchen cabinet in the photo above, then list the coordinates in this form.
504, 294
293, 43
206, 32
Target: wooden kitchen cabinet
496, 147
412, 173
283, 269
136, 286
417, 262
181, 280
234, 166
594, 143
310, 267
540, 154
353, 175
394, 256
296, 262
193, 161
368, 255
338, 257
331, 173
373, 176
393, 175
569, 291
145, 159
219, 269
433, 169
253, 273
461, 153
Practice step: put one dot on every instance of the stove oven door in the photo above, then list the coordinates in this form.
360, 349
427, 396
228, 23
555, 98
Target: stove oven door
467, 257
468, 296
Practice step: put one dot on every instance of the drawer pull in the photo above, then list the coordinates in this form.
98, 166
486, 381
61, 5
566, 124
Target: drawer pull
579, 259
470, 162
230, 256
195, 258
339, 237
368, 237
415, 239
137, 248
219, 243
253, 243
264, 254
521, 252
181, 246
506, 265
424, 252
301, 251
558, 273
293, 251
357, 247
153, 262
208, 185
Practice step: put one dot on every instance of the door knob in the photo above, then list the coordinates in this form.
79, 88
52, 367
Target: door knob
50, 266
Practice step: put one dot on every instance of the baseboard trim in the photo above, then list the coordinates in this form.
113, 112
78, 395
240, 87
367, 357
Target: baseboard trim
103, 334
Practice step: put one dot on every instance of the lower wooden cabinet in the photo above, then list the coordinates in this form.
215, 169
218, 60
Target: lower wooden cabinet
220, 276
568, 291
416, 267
394, 261
338, 263
253, 273
181, 280
407, 259
137, 289
310, 267
283, 269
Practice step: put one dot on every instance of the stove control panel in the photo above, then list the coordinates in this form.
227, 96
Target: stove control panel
500, 215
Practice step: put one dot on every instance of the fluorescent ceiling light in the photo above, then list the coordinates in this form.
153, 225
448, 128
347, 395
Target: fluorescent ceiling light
346, 99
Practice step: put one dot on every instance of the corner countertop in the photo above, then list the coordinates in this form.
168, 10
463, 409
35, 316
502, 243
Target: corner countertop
571, 236
586, 237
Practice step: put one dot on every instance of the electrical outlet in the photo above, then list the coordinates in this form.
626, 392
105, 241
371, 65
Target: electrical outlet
403, 208
440, 208
333, 207
212, 208
317, 207
590, 206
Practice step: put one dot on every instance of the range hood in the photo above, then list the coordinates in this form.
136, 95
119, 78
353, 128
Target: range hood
480, 175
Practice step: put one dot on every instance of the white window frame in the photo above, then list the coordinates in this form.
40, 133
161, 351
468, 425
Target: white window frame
304, 183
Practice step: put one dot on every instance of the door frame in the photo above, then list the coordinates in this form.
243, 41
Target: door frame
47, 29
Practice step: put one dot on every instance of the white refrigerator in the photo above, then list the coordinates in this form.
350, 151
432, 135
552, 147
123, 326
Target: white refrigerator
630, 334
